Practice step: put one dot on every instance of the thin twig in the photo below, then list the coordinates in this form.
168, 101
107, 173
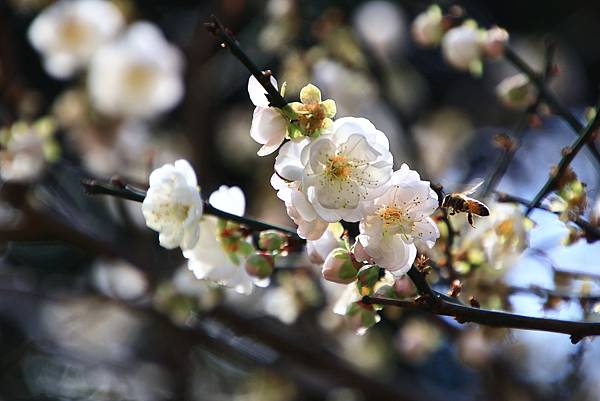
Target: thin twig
94, 187
592, 232
549, 98
216, 28
568, 156
464, 314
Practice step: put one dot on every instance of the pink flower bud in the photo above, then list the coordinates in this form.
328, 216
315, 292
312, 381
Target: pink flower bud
259, 265
339, 267
495, 42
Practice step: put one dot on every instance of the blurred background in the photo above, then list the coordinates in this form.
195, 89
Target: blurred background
91, 307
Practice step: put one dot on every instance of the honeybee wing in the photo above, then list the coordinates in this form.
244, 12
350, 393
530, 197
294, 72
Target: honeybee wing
472, 186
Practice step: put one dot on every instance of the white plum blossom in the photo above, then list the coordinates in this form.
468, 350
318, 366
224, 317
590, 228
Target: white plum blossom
209, 260
462, 46
399, 218
268, 127
339, 172
137, 75
173, 205
68, 33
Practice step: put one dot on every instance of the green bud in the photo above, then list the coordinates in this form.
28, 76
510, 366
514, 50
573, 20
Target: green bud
259, 265
271, 240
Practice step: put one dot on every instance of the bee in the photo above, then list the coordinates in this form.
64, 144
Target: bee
459, 202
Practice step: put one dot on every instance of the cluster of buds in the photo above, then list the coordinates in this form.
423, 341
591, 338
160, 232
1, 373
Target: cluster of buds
463, 46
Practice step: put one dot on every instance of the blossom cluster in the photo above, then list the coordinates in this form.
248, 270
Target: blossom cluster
330, 171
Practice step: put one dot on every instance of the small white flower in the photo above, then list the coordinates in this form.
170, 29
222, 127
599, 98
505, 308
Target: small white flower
398, 219
173, 206
209, 261
268, 127
68, 33
341, 170
427, 29
461, 46
137, 75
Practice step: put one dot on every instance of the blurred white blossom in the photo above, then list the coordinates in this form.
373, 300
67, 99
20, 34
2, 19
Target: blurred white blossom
399, 218
173, 206
427, 29
381, 24
516, 91
67, 33
137, 75
26, 149
119, 279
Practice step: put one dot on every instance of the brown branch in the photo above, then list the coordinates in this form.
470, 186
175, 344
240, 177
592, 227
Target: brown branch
464, 314
452, 274
123, 191
568, 156
549, 98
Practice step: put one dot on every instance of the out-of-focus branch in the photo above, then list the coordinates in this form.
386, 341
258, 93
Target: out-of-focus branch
568, 155
549, 98
465, 314
592, 232
228, 41
521, 128
123, 191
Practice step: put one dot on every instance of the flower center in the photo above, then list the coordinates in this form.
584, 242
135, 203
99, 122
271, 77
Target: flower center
395, 221
139, 78
339, 167
73, 33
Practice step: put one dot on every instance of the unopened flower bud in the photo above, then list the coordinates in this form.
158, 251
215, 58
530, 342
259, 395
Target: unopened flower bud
461, 46
360, 254
259, 265
495, 42
339, 267
516, 92
271, 240
427, 29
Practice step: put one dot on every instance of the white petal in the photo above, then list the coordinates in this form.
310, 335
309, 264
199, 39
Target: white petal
257, 92
229, 199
